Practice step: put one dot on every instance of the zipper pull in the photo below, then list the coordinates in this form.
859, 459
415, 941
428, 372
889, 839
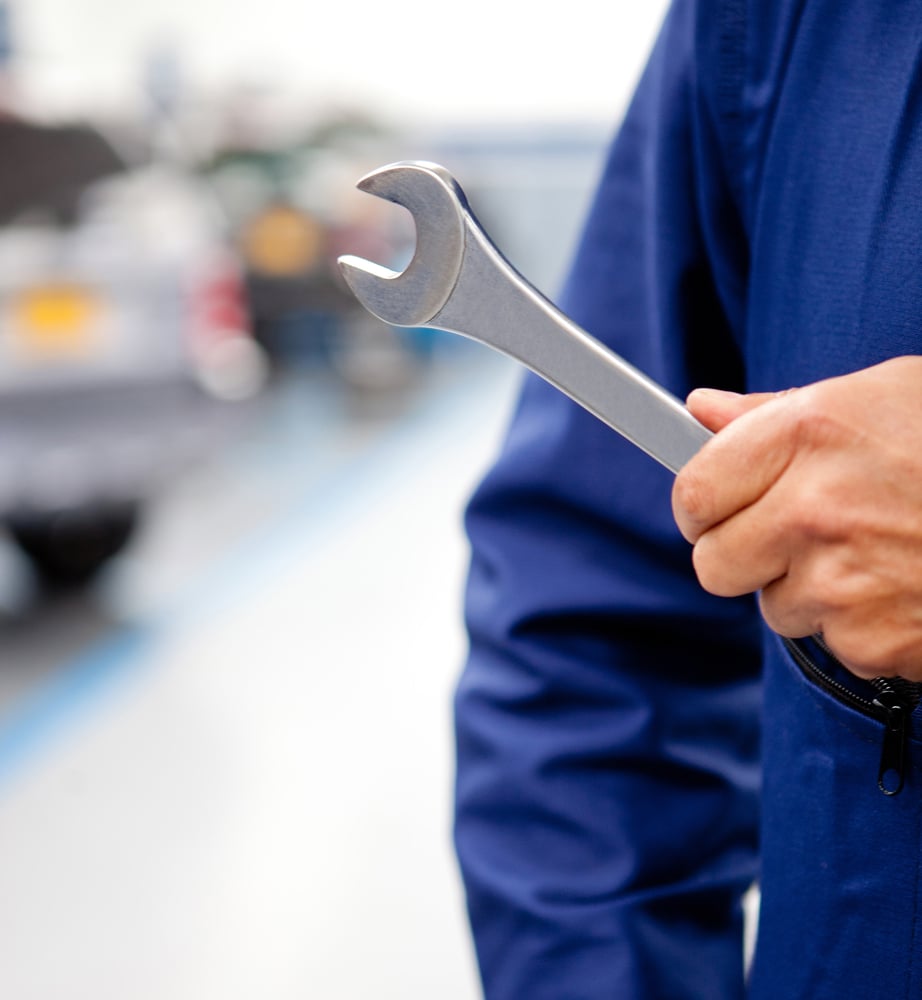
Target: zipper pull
892, 774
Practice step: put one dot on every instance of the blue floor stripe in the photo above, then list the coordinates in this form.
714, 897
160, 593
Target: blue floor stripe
35, 717
31, 724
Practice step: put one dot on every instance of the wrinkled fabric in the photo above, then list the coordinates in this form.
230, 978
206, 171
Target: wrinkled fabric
632, 753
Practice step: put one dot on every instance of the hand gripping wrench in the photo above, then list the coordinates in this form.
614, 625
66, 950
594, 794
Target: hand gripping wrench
460, 282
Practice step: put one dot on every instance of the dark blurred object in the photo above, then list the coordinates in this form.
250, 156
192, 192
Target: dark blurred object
69, 547
47, 169
297, 303
125, 346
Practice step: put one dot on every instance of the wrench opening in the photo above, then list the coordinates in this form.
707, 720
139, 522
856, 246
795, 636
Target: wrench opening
412, 297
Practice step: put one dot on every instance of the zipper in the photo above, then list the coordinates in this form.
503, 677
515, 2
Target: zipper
892, 705
892, 772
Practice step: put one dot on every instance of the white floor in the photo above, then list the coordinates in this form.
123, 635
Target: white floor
260, 805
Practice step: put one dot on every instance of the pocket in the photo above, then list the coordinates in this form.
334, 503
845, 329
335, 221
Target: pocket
891, 701
840, 871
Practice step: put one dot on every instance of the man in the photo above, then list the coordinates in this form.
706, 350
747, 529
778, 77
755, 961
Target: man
636, 747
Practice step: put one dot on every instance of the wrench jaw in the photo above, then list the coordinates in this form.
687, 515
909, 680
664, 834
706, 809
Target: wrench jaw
415, 296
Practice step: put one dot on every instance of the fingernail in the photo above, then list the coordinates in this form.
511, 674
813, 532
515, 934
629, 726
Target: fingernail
714, 394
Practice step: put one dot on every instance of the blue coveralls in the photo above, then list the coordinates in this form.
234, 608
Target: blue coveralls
632, 752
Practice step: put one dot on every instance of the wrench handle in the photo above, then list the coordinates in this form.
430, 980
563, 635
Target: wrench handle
493, 304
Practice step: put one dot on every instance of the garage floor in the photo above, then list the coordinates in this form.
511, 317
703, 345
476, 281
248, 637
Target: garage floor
225, 772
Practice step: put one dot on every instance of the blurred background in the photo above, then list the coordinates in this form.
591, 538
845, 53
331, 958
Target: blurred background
231, 552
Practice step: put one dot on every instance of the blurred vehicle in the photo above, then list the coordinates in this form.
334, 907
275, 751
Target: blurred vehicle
124, 340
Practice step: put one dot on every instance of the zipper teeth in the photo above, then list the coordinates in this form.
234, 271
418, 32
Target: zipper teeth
863, 705
909, 692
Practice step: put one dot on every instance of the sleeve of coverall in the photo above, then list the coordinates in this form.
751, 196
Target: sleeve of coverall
607, 717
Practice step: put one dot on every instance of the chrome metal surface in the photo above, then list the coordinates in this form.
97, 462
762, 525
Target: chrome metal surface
460, 282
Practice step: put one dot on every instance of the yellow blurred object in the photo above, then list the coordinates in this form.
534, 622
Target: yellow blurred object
54, 320
282, 242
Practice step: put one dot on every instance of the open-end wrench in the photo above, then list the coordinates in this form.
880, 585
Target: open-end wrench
460, 282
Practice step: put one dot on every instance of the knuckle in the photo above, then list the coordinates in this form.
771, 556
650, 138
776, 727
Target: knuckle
784, 613
839, 591
806, 407
691, 497
813, 412
774, 611
808, 512
818, 511
710, 568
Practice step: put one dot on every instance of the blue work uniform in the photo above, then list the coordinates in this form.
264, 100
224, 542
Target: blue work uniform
632, 752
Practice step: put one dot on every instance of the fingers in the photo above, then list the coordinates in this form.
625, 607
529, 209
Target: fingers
812, 499
747, 552
723, 499
716, 408
737, 466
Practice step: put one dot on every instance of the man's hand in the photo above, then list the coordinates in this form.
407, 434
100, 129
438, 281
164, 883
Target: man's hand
814, 498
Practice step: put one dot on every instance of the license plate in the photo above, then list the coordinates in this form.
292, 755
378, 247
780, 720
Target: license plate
56, 320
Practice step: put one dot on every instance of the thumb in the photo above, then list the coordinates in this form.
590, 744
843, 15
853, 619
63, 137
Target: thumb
716, 408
